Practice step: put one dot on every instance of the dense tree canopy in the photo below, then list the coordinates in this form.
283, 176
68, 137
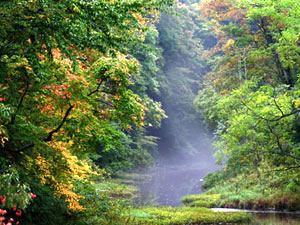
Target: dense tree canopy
85, 86
251, 97
68, 88
183, 37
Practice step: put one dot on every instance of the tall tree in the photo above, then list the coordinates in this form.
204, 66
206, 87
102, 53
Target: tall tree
250, 98
66, 74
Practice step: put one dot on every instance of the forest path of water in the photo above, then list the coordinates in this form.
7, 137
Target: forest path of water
170, 182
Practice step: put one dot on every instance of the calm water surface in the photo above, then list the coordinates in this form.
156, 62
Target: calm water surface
276, 219
170, 183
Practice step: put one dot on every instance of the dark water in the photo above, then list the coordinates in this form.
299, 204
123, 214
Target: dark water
268, 217
276, 219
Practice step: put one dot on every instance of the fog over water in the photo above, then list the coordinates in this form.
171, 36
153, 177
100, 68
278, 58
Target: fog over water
185, 153
179, 172
170, 182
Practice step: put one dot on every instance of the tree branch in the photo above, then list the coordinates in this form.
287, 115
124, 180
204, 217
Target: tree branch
282, 151
277, 138
270, 120
24, 148
277, 106
51, 133
21, 100
97, 89
285, 169
283, 116
49, 138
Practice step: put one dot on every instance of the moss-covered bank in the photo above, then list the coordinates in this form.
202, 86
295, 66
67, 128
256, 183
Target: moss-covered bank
168, 215
246, 192
183, 215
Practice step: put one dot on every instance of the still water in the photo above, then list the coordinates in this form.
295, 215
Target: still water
170, 183
268, 217
276, 219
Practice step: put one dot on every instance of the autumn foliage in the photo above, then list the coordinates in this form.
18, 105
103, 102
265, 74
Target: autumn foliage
251, 96
66, 74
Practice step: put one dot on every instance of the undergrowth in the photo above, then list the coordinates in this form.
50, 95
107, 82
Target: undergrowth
182, 215
248, 191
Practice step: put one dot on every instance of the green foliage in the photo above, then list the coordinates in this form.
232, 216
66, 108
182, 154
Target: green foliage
105, 202
120, 152
68, 71
59, 25
251, 101
16, 193
183, 215
202, 200
252, 191
46, 208
212, 179
205, 102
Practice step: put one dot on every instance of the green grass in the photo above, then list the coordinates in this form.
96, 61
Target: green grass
249, 191
182, 215
116, 190
202, 200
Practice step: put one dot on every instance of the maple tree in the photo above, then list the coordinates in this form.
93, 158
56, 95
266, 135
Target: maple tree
66, 74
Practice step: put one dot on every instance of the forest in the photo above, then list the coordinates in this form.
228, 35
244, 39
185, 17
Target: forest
250, 100
94, 92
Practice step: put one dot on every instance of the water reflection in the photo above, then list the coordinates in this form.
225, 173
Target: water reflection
170, 182
276, 219
268, 217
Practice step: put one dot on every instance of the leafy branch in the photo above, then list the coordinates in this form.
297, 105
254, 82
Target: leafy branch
282, 151
22, 98
51, 133
275, 119
97, 89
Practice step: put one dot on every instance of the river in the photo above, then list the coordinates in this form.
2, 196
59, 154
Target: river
170, 182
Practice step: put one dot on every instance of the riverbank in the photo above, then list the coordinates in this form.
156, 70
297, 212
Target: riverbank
165, 215
245, 192
184, 215
196, 215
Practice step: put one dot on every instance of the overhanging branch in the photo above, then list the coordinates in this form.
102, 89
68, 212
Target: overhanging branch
21, 100
97, 89
51, 133
49, 138
271, 120
282, 151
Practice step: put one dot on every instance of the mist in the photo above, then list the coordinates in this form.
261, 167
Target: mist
185, 152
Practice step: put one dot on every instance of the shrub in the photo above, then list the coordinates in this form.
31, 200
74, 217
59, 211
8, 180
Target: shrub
201, 200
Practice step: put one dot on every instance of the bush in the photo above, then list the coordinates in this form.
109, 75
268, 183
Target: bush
202, 200
46, 209
212, 179
104, 204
